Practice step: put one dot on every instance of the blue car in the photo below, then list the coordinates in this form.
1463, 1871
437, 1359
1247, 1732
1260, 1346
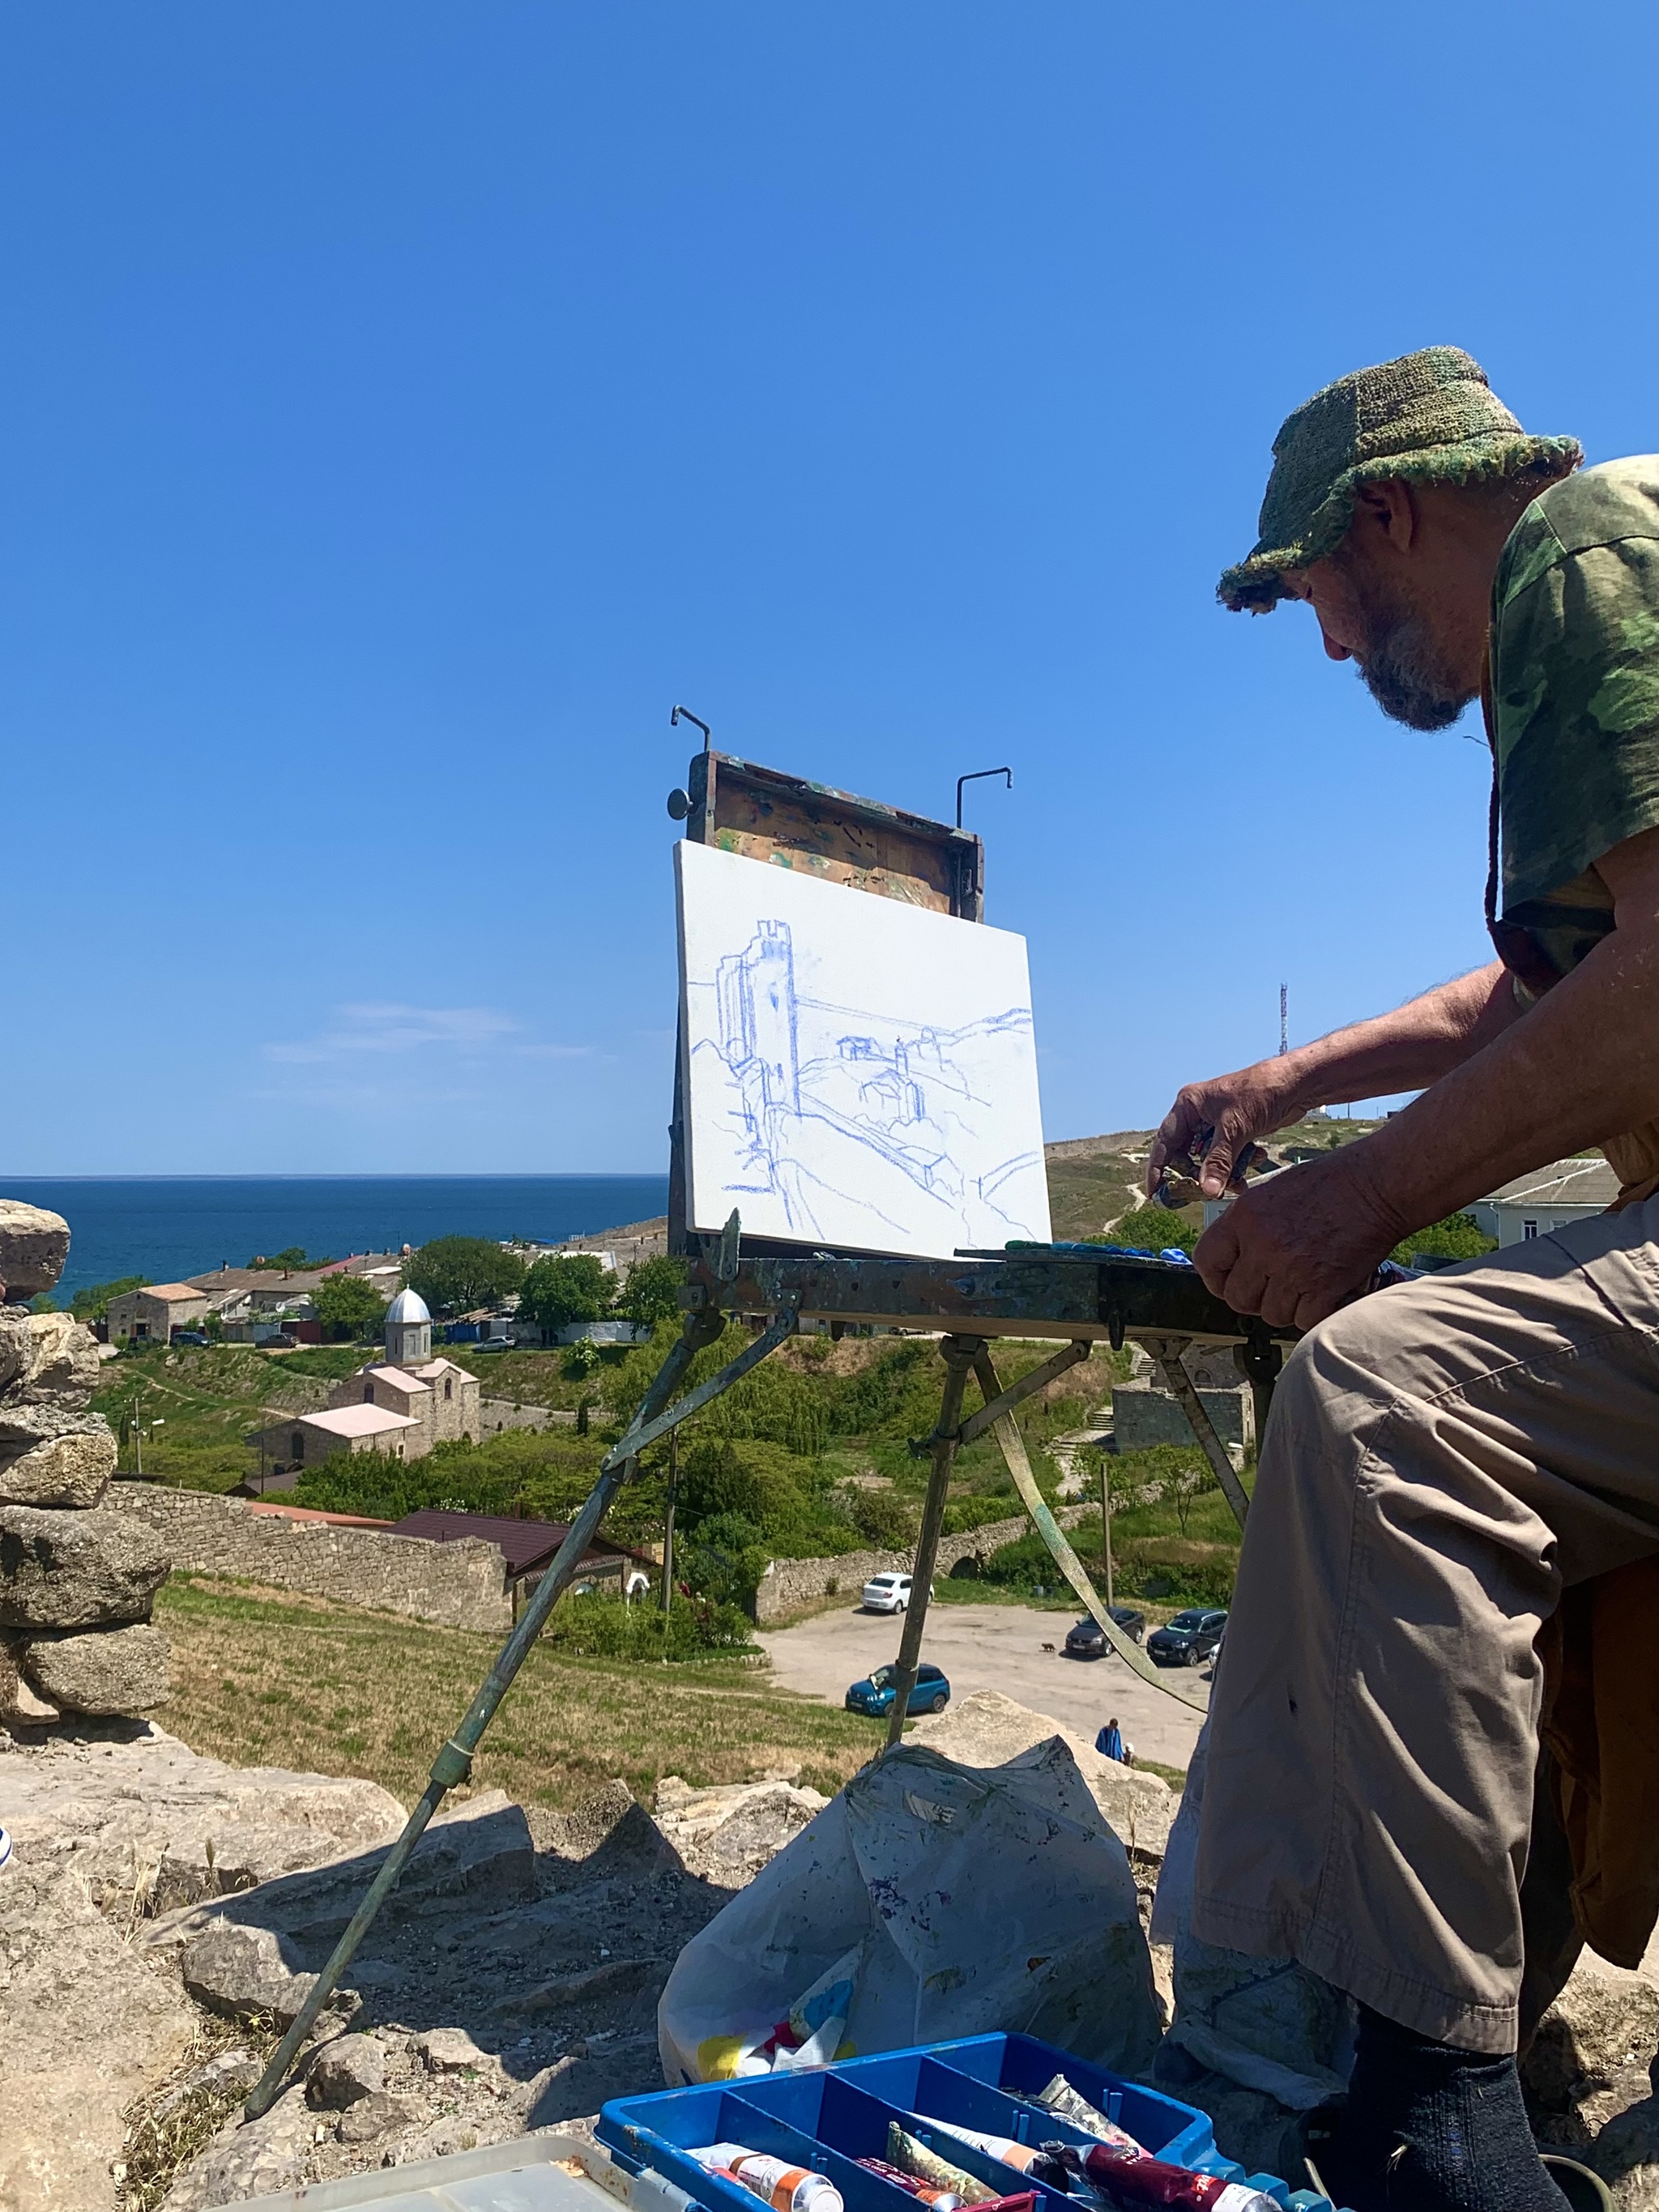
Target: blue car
874, 1694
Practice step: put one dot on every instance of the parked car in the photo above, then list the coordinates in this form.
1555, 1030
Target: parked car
874, 1694
1088, 1640
1190, 1639
886, 1593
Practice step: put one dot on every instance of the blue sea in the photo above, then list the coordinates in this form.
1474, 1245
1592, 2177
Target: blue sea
170, 1226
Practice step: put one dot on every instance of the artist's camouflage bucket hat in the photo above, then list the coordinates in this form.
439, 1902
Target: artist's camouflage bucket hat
1427, 416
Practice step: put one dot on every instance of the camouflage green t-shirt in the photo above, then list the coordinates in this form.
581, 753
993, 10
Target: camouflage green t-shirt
1575, 694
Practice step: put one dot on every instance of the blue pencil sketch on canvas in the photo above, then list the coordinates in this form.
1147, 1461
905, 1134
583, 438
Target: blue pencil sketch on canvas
860, 1074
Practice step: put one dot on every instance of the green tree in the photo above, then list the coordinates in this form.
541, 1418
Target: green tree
1459, 1236
347, 1307
291, 1259
652, 1292
93, 1303
454, 1274
567, 1287
1151, 1228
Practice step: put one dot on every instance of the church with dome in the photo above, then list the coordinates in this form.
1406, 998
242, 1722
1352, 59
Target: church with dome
401, 1405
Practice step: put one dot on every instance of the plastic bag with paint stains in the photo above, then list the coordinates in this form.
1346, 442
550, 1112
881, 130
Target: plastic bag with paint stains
927, 1900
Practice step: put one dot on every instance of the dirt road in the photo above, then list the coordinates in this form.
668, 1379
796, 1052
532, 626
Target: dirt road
996, 1647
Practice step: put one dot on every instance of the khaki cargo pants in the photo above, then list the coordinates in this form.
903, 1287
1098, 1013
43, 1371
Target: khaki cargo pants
1443, 1459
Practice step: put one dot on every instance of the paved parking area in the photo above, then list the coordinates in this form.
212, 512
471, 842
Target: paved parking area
996, 1647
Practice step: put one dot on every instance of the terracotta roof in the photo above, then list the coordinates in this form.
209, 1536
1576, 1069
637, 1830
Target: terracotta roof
351, 1421
397, 1378
311, 1513
175, 1293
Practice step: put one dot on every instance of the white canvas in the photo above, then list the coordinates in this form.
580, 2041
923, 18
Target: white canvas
860, 1075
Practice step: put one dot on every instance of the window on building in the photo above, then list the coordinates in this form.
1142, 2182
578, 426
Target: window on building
368, 1394
449, 1386
298, 1443
1528, 1228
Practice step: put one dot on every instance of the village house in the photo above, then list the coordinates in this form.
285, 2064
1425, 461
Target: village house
402, 1404
1548, 1198
149, 1315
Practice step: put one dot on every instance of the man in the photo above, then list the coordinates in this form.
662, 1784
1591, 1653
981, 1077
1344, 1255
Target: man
1448, 1458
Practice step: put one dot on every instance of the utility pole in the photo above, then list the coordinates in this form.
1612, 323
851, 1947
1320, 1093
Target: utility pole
138, 1439
668, 1519
1284, 1018
1106, 1522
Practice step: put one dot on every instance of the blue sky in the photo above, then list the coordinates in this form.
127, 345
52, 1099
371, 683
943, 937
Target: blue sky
404, 405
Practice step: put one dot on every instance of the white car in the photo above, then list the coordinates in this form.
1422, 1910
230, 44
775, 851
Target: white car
887, 1593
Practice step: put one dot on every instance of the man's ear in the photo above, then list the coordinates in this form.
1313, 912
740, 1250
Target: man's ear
1388, 510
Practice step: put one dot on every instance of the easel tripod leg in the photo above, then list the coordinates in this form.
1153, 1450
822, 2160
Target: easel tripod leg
959, 1354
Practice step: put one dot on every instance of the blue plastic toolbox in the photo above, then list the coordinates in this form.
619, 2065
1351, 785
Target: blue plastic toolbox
829, 2117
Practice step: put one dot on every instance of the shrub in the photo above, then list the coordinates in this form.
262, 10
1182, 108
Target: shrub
603, 1627
883, 1518
963, 1515
1459, 1236
1151, 1228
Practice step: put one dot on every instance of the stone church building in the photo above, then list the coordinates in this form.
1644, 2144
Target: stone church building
402, 1404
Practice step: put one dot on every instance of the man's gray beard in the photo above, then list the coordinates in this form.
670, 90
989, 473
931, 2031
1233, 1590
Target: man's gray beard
1403, 672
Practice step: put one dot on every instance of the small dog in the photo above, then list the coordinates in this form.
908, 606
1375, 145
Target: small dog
1047, 1647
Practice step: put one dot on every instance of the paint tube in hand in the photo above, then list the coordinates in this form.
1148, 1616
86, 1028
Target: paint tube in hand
1129, 2182
786, 2188
1060, 2098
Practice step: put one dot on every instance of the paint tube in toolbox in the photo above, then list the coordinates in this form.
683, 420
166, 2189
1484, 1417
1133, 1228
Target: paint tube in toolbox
786, 2188
1129, 2183
1060, 2098
924, 2192
1002, 2147
912, 2157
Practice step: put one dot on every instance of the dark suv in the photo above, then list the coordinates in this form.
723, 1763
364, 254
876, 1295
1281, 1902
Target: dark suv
1190, 1639
1088, 1640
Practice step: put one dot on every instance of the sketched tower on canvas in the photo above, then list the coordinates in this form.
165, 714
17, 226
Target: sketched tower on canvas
859, 1072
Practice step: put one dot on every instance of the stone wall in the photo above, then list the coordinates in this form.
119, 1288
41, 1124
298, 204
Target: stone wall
1143, 1415
460, 1585
788, 1584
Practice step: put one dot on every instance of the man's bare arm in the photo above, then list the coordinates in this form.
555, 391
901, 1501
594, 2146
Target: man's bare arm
1405, 1050
1581, 1065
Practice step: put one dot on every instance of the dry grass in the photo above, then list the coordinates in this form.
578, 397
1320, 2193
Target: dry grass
262, 1678
176, 2120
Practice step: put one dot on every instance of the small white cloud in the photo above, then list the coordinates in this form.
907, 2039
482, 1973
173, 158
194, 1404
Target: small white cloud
389, 1028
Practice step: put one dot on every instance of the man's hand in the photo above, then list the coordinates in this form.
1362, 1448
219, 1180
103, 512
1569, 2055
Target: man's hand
1239, 1107
1294, 1248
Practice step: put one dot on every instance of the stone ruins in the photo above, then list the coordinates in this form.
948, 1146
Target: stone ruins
77, 1579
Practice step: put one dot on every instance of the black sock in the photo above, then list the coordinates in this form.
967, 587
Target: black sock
1432, 2129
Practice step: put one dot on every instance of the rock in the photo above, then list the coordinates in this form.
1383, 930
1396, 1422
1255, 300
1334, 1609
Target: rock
618, 1978
16, 1343
481, 1853
987, 1729
1626, 2156
1604, 2024
248, 2158
449, 2051
143, 1821
33, 1246
343, 2072
60, 1363
51, 1456
91, 2028
100, 1670
377, 2114
28, 1708
727, 1835
66, 1569
241, 1972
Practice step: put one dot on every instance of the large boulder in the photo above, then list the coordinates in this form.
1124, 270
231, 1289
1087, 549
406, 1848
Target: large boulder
67, 1570
726, 1835
987, 1729
52, 1455
60, 1363
33, 1246
100, 1670
241, 1972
